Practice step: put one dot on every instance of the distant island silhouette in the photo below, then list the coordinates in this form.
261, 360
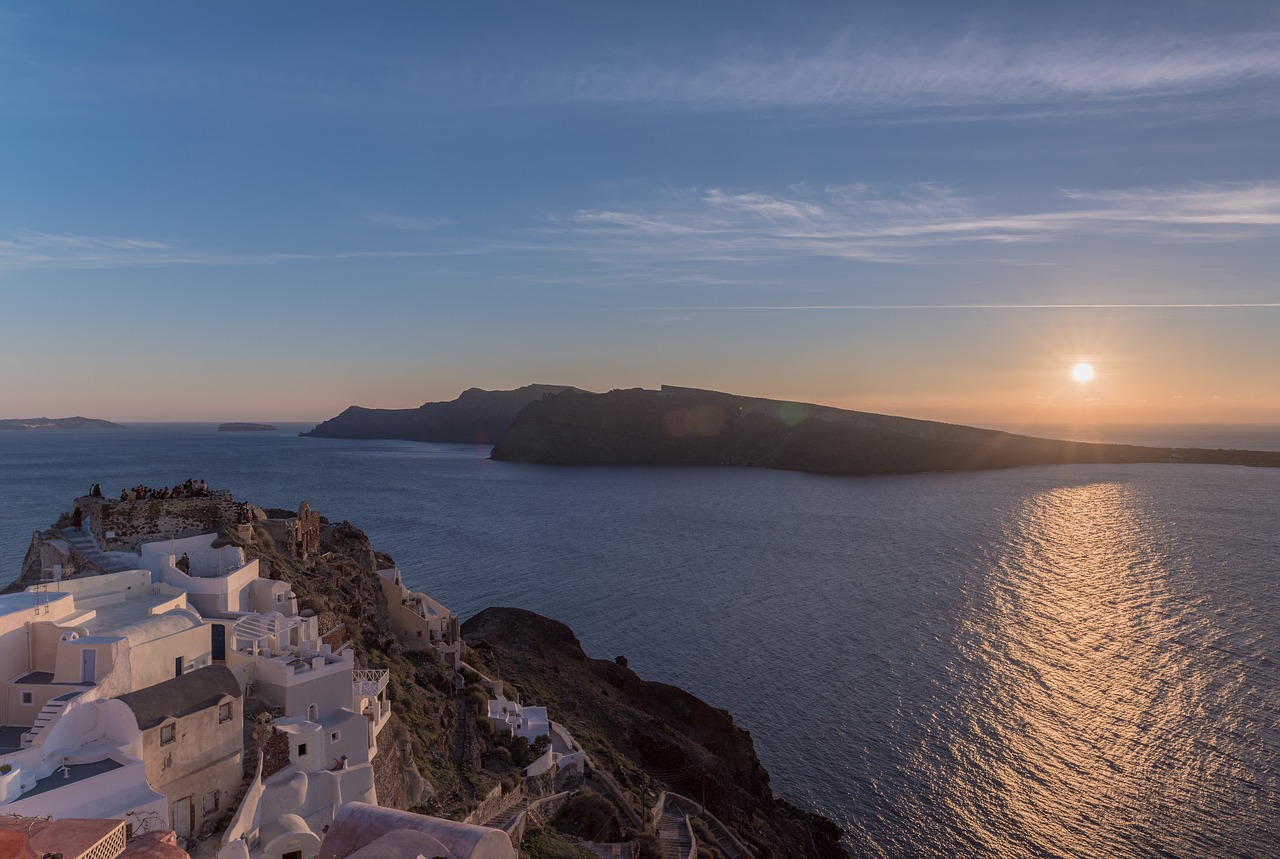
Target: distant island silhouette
687, 426
56, 423
562, 425
475, 417
245, 427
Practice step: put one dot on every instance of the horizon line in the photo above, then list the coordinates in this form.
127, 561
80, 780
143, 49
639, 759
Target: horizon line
1187, 306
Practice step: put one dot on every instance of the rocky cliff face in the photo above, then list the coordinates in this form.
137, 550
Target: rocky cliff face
650, 736
475, 417
681, 426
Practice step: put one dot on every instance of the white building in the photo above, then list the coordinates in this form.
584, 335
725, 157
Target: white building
418, 621
121, 697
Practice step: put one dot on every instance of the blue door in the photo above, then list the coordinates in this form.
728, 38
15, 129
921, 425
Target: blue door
218, 642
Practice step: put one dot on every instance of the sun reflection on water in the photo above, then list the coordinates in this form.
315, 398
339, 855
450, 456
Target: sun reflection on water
1073, 689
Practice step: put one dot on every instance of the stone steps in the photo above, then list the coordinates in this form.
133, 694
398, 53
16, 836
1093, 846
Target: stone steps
674, 835
87, 546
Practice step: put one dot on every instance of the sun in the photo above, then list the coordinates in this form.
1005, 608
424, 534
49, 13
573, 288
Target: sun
1082, 372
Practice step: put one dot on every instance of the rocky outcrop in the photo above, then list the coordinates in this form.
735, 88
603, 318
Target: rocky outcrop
683, 426
650, 736
246, 427
475, 417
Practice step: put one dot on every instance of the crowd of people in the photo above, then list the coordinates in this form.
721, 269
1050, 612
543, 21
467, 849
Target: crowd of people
186, 489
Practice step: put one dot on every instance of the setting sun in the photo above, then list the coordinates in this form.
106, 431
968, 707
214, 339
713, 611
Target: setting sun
1082, 372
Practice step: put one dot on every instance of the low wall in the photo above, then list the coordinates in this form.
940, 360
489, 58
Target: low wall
617, 793
494, 803
693, 808
539, 813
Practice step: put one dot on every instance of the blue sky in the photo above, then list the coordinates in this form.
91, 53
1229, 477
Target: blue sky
272, 211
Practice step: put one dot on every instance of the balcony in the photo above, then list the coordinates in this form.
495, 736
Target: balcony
368, 681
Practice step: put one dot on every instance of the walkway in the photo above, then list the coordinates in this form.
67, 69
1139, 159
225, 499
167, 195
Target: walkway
673, 834
505, 819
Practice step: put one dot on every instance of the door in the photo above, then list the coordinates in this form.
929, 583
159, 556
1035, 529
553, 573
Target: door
218, 642
88, 665
177, 666
180, 817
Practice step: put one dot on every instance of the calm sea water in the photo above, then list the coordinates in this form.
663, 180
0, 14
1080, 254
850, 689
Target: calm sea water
1072, 661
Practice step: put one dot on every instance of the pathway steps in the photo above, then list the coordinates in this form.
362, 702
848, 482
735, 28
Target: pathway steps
674, 835
87, 546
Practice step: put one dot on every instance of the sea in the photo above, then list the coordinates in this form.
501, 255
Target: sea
1067, 661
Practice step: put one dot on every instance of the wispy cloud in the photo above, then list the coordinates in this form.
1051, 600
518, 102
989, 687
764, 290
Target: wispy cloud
406, 222
863, 223
31, 249
887, 71
888, 68
708, 236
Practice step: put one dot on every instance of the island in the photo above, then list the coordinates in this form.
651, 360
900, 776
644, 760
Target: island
245, 427
56, 423
475, 417
688, 426
278, 665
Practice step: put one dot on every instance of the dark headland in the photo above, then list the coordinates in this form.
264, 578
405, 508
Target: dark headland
475, 417
56, 423
686, 426
560, 425
244, 427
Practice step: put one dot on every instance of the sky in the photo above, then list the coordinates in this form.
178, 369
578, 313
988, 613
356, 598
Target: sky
248, 211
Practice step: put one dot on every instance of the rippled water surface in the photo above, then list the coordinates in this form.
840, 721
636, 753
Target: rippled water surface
1075, 661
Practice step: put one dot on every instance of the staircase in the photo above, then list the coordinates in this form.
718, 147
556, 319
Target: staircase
674, 834
50, 713
84, 543
505, 819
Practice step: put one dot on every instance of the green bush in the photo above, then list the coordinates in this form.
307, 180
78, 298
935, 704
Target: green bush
588, 816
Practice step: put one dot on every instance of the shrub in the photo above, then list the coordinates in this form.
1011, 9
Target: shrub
520, 751
588, 816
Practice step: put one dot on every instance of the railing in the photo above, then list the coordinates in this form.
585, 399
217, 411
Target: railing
369, 681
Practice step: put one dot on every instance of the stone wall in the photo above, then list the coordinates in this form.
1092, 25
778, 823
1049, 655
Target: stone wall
125, 525
539, 813
494, 803
275, 752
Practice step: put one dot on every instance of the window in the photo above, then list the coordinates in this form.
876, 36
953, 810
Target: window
312, 712
302, 750
292, 854
224, 712
168, 733
210, 803
335, 736
28, 698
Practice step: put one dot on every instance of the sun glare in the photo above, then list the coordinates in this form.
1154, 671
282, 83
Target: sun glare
1082, 372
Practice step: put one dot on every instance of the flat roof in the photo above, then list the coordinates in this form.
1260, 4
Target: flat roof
25, 600
133, 610
75, 773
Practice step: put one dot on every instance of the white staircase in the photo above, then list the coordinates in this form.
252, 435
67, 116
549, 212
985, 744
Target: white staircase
49, 714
